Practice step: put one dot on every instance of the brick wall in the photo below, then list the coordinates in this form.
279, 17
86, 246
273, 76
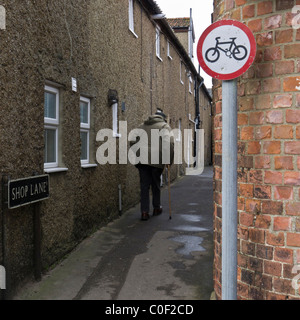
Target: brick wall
268, 153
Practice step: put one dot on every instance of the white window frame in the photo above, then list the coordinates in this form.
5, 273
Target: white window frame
86, 128
48, 165
131, 17
56, 92
190, 84
2, 17
158, 43
53, 124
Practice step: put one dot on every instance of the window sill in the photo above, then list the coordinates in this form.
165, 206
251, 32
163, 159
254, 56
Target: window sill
89, 165
54, 170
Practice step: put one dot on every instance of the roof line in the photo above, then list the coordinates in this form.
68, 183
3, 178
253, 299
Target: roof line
153, 8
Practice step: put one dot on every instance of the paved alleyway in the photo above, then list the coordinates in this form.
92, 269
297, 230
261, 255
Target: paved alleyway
159, 259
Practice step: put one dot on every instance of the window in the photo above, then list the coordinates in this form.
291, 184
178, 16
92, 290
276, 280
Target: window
178, 138
169, 50
85, 126
190, 84
2, 17
158, 43
131, 17
115, 120
51, 127
181, 72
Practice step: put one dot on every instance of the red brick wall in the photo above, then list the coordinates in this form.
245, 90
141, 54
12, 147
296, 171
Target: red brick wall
268, 155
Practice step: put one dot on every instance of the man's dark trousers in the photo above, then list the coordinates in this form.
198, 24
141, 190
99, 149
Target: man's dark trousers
149, 176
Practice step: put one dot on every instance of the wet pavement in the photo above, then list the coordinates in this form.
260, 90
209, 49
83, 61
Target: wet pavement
130, 259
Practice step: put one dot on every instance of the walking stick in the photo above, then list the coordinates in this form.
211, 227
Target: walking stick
169, 183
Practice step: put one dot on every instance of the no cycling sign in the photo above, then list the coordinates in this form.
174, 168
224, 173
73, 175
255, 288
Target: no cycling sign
226, 49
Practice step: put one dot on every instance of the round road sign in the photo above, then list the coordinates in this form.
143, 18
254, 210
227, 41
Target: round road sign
226, 49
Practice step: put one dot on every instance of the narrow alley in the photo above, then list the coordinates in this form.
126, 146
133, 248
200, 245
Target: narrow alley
160, 259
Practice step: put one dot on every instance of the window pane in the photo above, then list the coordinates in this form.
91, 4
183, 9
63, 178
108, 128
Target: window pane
158, 42
50, 105
84, 145
50, 145
84, 112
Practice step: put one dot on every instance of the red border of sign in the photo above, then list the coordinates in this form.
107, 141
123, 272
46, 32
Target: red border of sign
245, 67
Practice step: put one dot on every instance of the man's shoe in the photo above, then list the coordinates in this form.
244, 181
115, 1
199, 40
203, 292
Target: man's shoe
145, 216
157, 211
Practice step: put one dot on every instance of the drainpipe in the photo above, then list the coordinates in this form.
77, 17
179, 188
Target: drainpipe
151, 83
197, 108
197, 100
120, 199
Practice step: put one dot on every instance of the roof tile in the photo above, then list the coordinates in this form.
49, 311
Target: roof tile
179, 22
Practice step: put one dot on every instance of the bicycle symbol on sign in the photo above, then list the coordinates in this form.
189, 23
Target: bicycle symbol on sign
238, 52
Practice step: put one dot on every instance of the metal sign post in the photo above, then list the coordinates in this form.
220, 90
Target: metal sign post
30, 191
229, 190
225, 51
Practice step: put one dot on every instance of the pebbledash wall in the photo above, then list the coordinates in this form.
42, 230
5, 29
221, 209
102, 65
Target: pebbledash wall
269, 153
107, 48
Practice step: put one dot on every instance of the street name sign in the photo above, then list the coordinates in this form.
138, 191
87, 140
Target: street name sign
226, 49
23, 192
